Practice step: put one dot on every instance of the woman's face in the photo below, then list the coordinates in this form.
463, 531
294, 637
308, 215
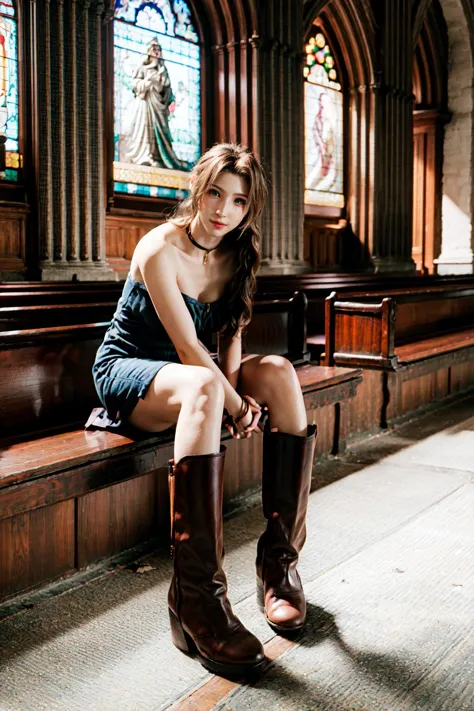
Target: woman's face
224, 204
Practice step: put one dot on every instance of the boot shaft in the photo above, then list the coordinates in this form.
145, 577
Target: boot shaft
286, 484
196, 485
197, 545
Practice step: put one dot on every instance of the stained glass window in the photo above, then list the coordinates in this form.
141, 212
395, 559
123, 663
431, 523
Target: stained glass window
9, 128
324, 159
157, 122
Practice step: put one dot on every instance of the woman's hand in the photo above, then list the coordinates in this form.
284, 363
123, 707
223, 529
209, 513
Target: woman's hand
250, 421
244, 427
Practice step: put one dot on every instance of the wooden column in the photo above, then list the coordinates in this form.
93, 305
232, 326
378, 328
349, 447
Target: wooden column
393, 200
70, 140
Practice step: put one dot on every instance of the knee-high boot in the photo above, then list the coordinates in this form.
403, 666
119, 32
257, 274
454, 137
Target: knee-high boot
286, 482
201, 617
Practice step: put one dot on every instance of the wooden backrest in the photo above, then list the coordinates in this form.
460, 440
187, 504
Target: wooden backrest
34, 317
46, 379
317, 287
58, 296
279, 326
422, 313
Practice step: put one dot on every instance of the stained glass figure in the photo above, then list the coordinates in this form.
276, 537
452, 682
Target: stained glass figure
324, 159
9, 128
157, 97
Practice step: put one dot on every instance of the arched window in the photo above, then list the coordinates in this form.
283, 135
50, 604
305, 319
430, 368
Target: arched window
10, 161
324, 158
157, 102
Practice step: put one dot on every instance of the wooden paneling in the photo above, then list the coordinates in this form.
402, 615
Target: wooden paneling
422, 391
122, 234
13, 222
323, 246
363, 414
35, 547
325, 419
243, 466
406, 396
461, 377
427, 171
118, 517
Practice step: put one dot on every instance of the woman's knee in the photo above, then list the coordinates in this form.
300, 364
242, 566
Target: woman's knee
276, 370
205, 389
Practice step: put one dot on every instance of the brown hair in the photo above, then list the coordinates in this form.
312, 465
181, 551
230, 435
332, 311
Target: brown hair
232, 158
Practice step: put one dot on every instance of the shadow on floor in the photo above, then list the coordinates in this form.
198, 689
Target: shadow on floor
393, 676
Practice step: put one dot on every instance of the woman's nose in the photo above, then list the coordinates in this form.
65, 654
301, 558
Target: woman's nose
223, 207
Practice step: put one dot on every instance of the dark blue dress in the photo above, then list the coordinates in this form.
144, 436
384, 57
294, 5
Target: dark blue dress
136, 346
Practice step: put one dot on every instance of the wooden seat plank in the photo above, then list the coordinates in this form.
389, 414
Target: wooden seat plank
25, 460
432, 347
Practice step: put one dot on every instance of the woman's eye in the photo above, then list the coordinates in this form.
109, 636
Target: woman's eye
240, 201
214, 192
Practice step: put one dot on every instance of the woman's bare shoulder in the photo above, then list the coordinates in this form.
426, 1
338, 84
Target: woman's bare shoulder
156, 245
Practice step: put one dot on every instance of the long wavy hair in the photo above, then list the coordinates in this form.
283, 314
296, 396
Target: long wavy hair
245, 239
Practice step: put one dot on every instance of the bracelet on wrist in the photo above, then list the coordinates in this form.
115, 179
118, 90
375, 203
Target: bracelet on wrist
243, 411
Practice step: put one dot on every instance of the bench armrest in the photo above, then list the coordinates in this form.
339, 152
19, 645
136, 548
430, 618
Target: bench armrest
361, 334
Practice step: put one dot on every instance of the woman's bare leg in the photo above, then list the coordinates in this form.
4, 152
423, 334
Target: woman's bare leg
190, 396
272, 381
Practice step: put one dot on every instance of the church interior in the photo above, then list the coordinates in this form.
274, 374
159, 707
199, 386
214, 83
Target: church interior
362, 115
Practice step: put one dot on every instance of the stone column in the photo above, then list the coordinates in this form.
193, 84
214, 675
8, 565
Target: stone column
457, 241
70, 140
279, 119
393, 196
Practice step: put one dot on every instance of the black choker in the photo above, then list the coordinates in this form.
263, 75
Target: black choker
199, 246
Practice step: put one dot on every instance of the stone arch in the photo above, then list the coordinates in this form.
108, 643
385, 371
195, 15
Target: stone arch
458, 194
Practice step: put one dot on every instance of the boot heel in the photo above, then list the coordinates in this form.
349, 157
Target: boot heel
260, 595
179, 637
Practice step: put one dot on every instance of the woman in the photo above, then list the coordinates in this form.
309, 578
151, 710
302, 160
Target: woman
194, 275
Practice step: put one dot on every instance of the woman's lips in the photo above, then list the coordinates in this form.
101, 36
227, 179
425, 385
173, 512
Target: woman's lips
218, 224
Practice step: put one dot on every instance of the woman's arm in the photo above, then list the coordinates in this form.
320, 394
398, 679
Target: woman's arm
229, 353
158, 270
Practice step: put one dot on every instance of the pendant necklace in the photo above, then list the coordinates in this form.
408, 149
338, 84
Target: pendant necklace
199, 246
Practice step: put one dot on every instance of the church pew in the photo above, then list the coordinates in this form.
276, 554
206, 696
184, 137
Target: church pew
14, 318
283, 327
367, 333
52, 365
45, 297
69, 497
416, 347
10, 287
317, 287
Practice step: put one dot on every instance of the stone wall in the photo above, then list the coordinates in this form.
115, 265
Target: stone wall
457, 206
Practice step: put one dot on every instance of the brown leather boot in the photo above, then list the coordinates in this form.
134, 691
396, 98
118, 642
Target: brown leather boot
286, 482
202, 621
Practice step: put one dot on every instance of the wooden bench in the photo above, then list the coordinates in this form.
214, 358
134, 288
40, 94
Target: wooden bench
68, 497
398, 330
317, 287
421, 342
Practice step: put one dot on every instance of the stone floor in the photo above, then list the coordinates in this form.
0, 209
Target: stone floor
389, 576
